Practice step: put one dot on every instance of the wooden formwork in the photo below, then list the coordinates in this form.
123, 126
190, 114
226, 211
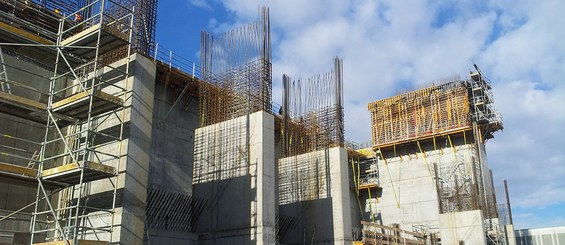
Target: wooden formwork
426, 112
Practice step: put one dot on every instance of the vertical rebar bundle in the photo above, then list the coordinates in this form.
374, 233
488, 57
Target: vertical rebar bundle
313, 112
236, 72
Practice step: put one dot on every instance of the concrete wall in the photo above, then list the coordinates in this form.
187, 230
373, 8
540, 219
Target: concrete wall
240, 195
319, 219
172, 142
28, 74
464, 227
171, 166
408, 181
409, 195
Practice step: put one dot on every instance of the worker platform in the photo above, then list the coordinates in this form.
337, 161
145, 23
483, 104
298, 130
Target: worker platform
17, 171
24, 175
71, 173
368, 186
80, 242
77, 106
57, 177
19, 25
110, 39
23, 107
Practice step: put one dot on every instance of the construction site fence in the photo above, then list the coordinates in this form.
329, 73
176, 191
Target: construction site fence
380, 234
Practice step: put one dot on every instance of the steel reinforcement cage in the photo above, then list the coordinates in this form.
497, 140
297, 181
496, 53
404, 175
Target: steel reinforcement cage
236, 72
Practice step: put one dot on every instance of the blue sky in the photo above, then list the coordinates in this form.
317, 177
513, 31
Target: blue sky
390, 45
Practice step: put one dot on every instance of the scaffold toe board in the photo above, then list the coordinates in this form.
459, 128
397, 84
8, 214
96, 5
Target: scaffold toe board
109, 40
78, 105
71, 173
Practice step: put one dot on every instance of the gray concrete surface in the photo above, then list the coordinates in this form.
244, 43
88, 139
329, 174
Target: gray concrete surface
323, 216
466, 227
241, 195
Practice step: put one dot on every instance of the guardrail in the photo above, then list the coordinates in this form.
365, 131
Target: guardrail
175, 61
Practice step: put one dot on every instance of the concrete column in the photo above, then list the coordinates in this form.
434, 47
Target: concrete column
241, 194
134, 173
263, 153
511, 237
339, 187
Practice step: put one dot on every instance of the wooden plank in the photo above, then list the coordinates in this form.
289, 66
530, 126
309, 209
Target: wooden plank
81, 35
15, 169
74, 166
70, 99
24, 34
368, 186
392, 229
386, 238
82, 97
21, 101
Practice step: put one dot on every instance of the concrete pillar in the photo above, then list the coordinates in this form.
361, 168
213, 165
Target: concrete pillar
240, 193
339, 187
129, 216
510, 236
263, 153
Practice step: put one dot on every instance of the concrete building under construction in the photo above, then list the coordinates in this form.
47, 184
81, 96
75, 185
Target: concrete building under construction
431, 162
108, 137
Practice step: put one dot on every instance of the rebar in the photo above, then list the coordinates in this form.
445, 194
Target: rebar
236, 72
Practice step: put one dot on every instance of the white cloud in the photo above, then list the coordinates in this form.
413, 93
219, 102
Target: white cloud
387, 45
203, 4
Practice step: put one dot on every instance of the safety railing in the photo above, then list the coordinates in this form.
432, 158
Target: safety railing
175, 61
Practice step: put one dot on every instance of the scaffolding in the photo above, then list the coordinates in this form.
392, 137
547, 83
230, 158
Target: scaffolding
83, 112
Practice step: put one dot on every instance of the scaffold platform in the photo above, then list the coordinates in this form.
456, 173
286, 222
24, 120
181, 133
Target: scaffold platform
80, 242
77, 106
71, 173
110, 39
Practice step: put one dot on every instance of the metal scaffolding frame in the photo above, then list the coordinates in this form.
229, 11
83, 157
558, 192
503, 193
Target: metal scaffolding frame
84, 113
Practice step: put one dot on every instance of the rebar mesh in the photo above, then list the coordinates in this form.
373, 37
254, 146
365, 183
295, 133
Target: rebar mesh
236, 71
313, 112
